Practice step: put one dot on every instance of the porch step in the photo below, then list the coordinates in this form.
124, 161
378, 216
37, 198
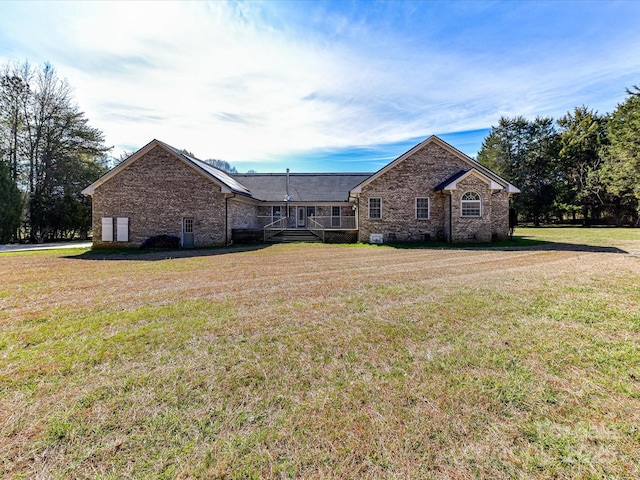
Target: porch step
297, 235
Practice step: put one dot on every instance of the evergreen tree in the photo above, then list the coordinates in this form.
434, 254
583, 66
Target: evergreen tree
621, 169
582, 136
524, 152
10, 205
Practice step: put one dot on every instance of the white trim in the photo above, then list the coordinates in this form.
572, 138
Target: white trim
369, 208
428, 217
305, 209
339, 216
492, 184
479, 202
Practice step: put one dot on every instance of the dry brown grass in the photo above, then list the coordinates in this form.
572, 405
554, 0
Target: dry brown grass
322, 361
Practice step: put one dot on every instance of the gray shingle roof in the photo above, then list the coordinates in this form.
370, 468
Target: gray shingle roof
303, 187
452, 178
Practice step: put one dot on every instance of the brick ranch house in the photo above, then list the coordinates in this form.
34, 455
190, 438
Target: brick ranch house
431, 192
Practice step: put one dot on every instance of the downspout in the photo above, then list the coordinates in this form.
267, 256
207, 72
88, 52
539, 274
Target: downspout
287, 182
226, 220
287, 199
450, 218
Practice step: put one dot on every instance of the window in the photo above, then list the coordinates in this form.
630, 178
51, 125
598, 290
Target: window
375, 208
335, 216
188, 225
422, 208
107, 229
276, 211
471, 205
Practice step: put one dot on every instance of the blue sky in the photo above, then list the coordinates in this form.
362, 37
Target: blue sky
324, 85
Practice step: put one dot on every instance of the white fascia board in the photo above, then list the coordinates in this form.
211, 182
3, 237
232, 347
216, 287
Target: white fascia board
88, 191
481, 176
493, 185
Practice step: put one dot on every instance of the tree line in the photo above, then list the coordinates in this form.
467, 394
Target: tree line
48, 154
582, 168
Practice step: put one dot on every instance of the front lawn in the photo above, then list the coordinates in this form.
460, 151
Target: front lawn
327, 361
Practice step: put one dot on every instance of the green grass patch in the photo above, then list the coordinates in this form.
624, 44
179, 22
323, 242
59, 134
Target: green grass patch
323, 361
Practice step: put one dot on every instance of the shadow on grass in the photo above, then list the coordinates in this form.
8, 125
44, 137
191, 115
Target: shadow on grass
515, 244
161, 253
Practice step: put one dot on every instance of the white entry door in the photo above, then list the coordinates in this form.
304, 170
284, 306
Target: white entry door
302, 217
303, 213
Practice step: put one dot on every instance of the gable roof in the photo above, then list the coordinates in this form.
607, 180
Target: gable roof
441, 143
221, 176
303, 187
226, 182
451, 182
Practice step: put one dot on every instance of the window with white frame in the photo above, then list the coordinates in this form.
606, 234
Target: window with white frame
375, 208
335, 216
471, 205
422, 208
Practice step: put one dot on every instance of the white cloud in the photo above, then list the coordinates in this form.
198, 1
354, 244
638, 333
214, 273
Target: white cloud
254, 81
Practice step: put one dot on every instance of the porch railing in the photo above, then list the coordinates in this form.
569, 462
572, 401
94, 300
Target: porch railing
315, 227
336, 223
274, 228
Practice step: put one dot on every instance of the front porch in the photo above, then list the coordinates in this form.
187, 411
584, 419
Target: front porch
325, 229
331, 229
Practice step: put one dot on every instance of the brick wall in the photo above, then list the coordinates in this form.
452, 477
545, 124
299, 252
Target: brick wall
500, 215
399, 187
417, 176
242, 214
156, 192
465, 229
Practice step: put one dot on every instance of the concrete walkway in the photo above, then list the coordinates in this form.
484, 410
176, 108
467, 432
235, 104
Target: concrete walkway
23, 247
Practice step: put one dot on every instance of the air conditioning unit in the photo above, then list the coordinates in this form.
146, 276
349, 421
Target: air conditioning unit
375, 238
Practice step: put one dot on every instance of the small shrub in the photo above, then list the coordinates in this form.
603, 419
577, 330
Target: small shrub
161, 241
